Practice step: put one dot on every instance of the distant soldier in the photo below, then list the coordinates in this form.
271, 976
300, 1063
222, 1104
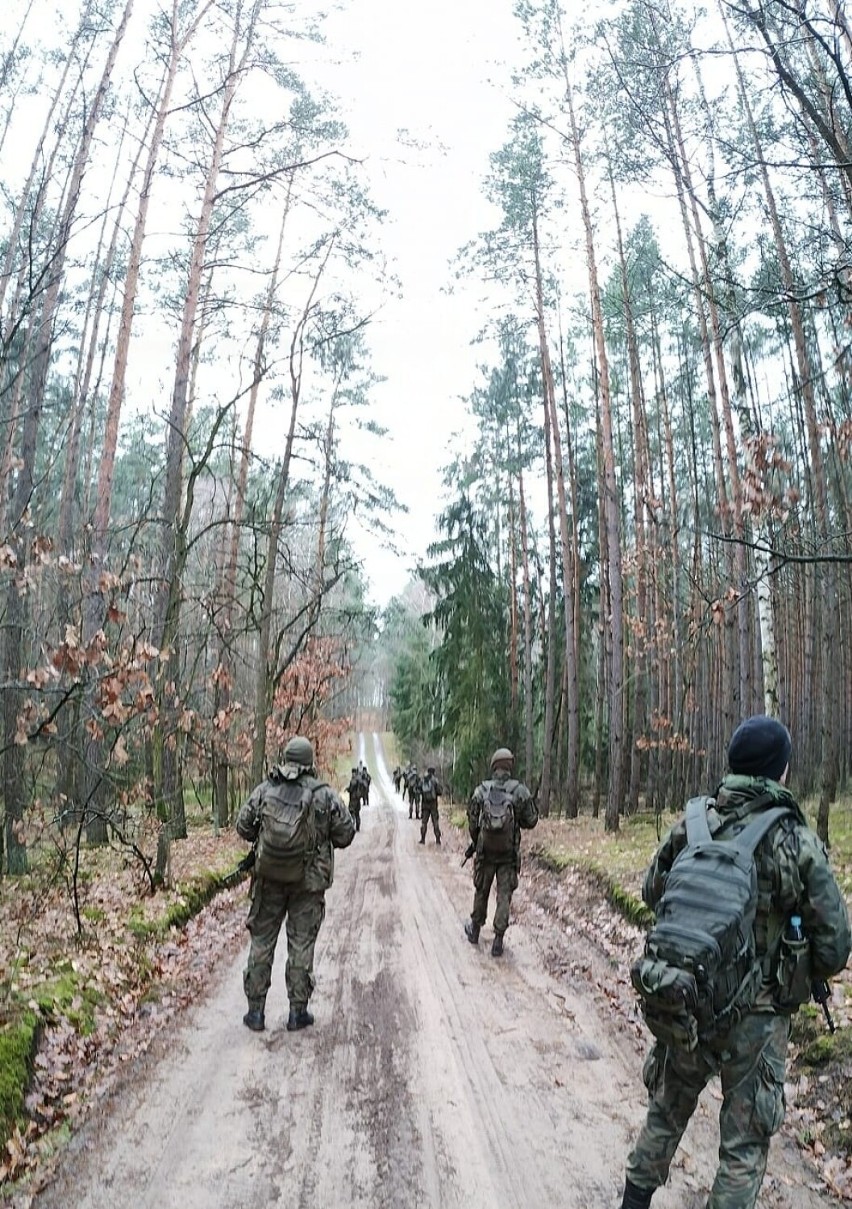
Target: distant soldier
365, 779
430, 791
406, 784
414, 793
397, 777
355, 789
497, 811
296, 822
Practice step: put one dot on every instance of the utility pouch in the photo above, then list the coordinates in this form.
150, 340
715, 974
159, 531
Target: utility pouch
793, 973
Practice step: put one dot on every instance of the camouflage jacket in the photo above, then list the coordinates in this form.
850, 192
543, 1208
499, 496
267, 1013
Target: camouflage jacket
335, 827
430, 789
793, 874
523, 806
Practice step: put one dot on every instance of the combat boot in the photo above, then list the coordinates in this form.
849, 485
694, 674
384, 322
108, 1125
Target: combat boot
299, 1017
471, 931
254, 1019
422, 839
497, 945
636, 1198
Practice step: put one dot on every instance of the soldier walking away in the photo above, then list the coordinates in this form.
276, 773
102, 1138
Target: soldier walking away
355, 790
413, 793
498, 809
295, 821
366, 780
430, 791
800, 933
397, 777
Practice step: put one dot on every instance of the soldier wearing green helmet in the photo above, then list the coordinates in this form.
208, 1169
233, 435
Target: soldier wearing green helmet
499, 809
295, 822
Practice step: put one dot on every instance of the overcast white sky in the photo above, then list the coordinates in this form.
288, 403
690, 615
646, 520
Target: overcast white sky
424, 69
413, 85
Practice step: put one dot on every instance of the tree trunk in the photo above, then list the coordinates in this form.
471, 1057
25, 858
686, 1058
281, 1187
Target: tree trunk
263, 682
615, 787
168, 746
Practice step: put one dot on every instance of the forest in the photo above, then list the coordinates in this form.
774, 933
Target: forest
643, 534
648, 535
649, 539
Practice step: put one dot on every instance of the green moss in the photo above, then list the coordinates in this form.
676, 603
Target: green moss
815, 1046
555, 859
138, 926
68, 995
194, 897
627, 904
94, 914
819, 1052
18, 1041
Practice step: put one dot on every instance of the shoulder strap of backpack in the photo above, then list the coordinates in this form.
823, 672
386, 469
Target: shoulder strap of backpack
750, 836
697, 827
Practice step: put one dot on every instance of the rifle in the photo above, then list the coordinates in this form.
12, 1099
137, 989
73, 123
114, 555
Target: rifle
821, 994
468, 853
235, 875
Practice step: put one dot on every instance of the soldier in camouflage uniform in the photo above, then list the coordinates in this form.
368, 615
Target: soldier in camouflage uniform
366, 780
430, 791
355, 791
794, 878
414, 793
301, 904
504, 869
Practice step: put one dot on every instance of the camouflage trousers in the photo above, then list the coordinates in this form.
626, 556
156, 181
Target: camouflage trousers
751, 1060
429, 810
304, 911
484, 874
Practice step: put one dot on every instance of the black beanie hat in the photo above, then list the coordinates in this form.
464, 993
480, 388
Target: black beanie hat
760, 747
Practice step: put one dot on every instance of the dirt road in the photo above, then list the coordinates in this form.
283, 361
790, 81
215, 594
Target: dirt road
435, 1075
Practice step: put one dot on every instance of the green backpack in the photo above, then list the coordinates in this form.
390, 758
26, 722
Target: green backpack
699, 972
497, 820
287, 834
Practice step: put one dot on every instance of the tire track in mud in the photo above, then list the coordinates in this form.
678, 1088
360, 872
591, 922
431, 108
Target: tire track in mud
477, 1014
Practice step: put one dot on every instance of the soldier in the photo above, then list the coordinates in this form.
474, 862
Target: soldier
794, 880
397, 777
497, 811
414, 793
296, 821
366, 780
430, 791
355, 790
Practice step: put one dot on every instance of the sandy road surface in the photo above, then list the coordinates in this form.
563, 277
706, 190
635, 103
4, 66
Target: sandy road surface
435, 1076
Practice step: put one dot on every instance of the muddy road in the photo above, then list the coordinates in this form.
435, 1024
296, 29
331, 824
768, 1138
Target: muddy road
435, 1075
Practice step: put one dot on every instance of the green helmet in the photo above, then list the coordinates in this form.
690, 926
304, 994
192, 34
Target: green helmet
502, 756
299, 751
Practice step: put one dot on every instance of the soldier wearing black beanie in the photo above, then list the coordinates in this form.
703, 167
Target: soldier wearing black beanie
760, 747
750, 1054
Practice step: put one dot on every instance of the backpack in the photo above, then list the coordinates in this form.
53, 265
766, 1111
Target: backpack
287, 834
699, 972
497, 820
